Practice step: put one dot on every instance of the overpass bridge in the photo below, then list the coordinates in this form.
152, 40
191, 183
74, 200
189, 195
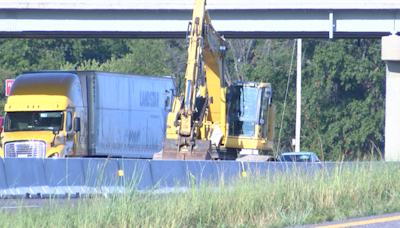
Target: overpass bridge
232, 18
169, 18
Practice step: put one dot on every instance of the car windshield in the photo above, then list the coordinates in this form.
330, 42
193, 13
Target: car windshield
295, 158
34, 121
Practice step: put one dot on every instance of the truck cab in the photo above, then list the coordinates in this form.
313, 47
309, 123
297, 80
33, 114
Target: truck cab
43, 117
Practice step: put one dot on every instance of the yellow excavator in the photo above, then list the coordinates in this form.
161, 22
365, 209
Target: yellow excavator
210, 120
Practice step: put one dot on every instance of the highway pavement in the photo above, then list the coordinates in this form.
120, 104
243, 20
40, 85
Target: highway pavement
378, 221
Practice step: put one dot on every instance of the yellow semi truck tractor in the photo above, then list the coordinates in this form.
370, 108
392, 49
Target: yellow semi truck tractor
85, 113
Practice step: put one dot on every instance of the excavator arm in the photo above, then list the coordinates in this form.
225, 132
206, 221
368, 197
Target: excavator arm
202, 103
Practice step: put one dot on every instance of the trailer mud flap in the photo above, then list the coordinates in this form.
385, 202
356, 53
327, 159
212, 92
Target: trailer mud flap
201, 150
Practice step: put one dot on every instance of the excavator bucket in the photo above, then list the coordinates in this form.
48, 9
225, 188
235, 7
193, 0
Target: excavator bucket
201, 150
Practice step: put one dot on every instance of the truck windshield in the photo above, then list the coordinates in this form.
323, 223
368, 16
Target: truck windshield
243, 110
34, 121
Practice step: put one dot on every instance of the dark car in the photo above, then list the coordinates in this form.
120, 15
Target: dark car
297, 157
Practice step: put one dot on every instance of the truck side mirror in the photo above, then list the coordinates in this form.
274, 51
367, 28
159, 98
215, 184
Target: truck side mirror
77, 124
55, 133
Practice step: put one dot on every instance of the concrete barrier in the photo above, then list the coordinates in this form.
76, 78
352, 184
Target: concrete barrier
26, 177
65, 177
3, 180
21, 177
136, 174
227, 170
101, 176
255, 168
199, 171
168, 174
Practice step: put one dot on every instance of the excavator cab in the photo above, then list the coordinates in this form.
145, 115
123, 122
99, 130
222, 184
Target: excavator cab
248, 105
242, 113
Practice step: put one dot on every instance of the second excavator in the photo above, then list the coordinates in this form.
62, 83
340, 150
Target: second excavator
210, 120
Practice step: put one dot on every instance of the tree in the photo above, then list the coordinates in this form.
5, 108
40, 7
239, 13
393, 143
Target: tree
146, 57
342, 94
343, 103
19, 55
240, 55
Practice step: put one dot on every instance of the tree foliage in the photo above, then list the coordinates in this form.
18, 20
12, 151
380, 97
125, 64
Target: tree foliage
342, 95
343, 102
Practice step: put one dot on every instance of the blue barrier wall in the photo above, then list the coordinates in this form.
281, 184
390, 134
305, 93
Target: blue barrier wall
101, 176
26, 176
168, 173
73, 177
64, 172
64, 176
200, 171
136, 174
101, 172
3, 181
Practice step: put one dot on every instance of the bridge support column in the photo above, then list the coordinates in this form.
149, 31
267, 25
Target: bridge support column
391, 54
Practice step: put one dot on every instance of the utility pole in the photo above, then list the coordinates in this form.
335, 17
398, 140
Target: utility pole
298, 97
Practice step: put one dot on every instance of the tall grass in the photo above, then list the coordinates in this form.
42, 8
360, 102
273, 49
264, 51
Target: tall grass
283, 199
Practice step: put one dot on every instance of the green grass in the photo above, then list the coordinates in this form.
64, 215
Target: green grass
283, 199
